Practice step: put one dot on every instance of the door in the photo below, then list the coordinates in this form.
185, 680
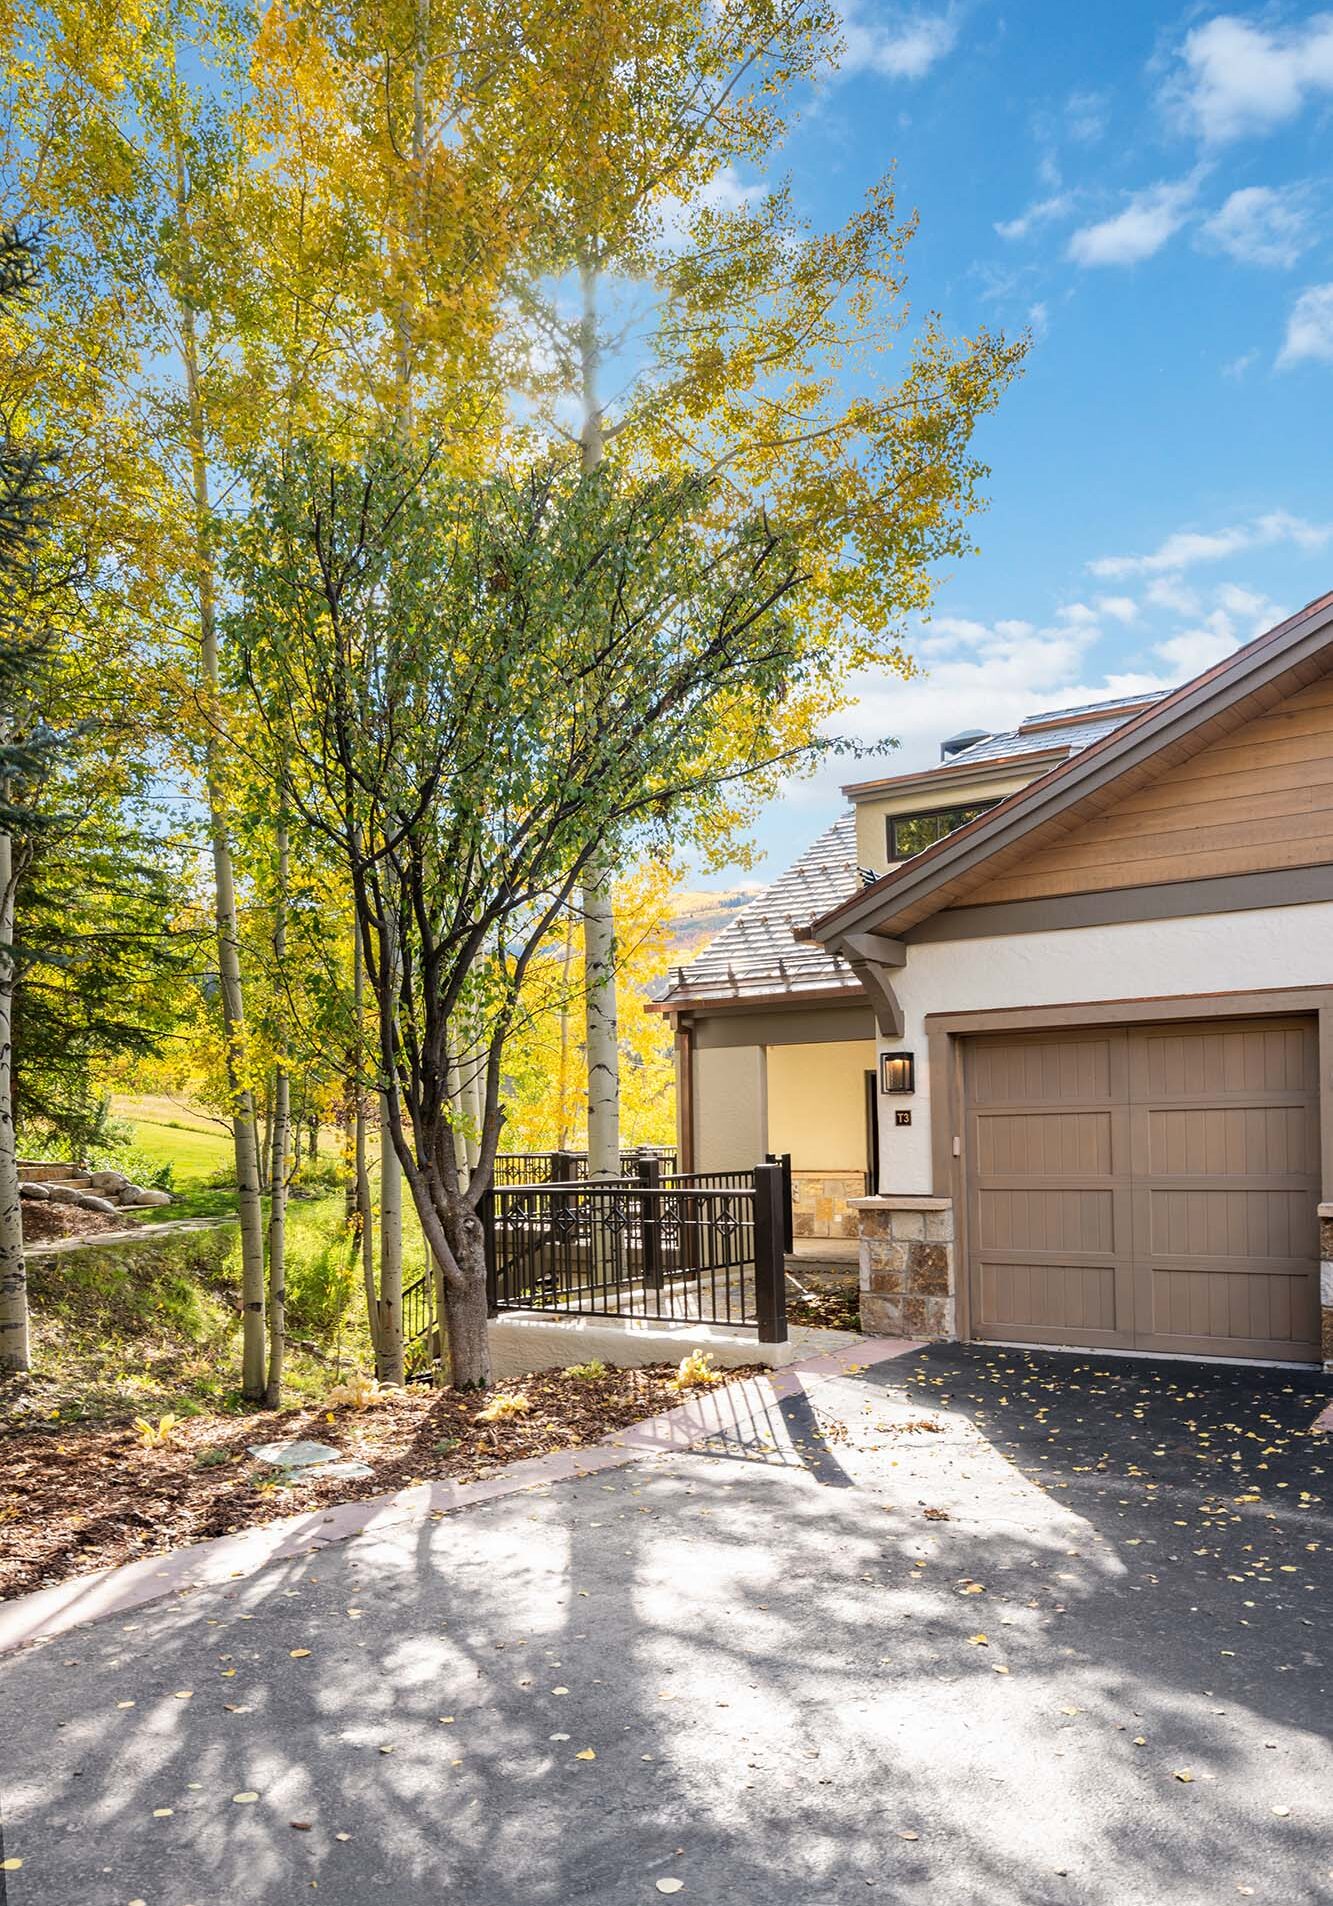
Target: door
1148, 1188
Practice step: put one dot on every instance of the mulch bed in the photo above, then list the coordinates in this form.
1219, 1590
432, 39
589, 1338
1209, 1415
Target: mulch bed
43, 1223
74, 1499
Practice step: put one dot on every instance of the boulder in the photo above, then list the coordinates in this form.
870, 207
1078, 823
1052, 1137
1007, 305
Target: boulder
143, 1195
84, 1200
109, 1181
29, 1190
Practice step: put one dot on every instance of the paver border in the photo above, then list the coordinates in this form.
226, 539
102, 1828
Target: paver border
733, 1408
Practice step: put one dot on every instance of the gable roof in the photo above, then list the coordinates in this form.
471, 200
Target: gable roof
1170, 730
757, 956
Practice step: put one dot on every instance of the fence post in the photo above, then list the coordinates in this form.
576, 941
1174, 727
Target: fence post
770, 1271
783, 1160
650, 1220
487, 1215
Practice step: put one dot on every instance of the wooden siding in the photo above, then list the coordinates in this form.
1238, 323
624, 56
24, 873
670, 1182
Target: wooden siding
1257, 799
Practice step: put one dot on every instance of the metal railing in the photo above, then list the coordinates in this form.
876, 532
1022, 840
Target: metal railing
655, 1243
543, 1168
661, 1252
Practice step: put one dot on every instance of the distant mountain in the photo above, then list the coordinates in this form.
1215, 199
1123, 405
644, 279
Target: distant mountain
700, 917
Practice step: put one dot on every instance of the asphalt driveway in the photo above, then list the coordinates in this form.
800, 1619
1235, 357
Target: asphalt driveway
966, 1627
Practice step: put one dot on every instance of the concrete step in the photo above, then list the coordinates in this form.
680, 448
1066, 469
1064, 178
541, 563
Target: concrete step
43, 1172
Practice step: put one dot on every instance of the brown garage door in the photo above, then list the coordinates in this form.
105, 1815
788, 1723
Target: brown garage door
1148, 1188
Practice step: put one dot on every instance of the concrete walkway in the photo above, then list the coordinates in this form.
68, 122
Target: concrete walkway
961, 1626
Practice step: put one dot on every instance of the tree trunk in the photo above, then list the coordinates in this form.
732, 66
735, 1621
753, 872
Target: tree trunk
599, 927
277, 1210
599, 943
566, 1040
390, 1358
277, 1244
465, 1313
14, 1350
253, 1372
362, 1199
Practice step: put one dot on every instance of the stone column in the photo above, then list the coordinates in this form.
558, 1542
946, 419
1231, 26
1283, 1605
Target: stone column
907, 1266
1326, 1284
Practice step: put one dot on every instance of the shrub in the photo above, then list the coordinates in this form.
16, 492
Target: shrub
586, 1372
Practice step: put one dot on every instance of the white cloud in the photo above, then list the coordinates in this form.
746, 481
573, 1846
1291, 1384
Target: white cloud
905, 47
1118, 608
1185, 548
1236, 367
1039, 319
1235, 78
726, 191
1261, 225
1086, 116
1168, 592
1239, 615
1142, 228
1309, 329
1058, 205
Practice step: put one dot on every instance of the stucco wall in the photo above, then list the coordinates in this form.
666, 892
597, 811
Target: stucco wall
1212, 953
729, 1105
816, 1104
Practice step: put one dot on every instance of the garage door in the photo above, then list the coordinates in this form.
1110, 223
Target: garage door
1147, 1188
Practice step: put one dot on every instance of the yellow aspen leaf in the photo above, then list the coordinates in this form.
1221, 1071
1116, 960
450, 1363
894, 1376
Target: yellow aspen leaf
585, 1753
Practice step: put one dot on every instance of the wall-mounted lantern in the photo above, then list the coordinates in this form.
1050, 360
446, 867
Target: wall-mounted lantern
897, 1072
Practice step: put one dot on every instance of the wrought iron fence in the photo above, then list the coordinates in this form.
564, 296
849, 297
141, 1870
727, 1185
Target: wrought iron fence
660, 1252
541, 1168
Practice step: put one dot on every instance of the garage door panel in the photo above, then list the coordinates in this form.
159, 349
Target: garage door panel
1200, 1061
1230, 1141
1227, 1312
1217, 1222
1063, 1218
1044, 1071
1157, 1188
1045, 1144
1051, 1299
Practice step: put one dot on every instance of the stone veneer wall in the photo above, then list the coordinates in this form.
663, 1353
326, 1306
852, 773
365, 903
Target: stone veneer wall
907, 1266
1326, 1284
821, 1203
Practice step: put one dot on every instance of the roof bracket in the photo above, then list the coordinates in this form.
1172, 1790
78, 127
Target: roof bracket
874, 976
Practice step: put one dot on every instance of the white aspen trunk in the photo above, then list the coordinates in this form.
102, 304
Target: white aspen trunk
566, 1040
599, 926
473, 1106
362, 1200
391, 1203
599, 958
249, 1202
14, 1347
277, 1210
454, 1085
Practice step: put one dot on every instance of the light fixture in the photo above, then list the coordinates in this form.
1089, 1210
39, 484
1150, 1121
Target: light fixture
897, 1072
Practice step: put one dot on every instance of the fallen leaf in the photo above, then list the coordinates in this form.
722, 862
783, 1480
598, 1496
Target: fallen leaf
302, 1826
908, 1833
560, 1690
124, 1704
342, 1836
585, 1753
185, 1694
1183, 1774
1282, 1812
244, 1799
10, 1866
670, 1886
979, 1641
299, 1654
162, 1813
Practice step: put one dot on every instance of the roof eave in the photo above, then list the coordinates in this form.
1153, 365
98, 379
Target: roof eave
1277, 650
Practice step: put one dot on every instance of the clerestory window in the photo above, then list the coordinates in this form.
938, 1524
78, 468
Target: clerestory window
910, 833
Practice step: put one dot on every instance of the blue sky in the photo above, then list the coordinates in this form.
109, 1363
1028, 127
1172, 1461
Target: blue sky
1148, 191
